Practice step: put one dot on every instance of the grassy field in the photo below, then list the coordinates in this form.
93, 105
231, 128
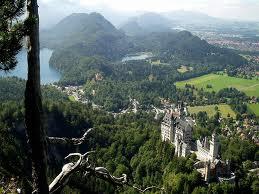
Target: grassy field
210, 109
184, 69
250, 87
254, 108
72, 98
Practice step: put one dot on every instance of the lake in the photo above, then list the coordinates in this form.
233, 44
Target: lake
48, 74
135, 57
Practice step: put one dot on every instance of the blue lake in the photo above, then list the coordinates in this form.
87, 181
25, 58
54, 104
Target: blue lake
48, 74
136, 57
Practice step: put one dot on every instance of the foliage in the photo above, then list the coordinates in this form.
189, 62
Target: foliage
128, 144
12, 89
11, 32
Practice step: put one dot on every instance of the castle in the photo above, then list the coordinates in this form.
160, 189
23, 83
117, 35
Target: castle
177, 129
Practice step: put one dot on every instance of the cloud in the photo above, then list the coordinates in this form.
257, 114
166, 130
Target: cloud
230, 9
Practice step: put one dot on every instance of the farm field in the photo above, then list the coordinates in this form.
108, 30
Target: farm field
254, 108
218, 82
224, 109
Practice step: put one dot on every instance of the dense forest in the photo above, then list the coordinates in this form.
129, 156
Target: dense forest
87, 51
93, 46
127, 144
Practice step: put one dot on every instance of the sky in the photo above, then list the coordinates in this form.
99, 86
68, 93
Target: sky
247, 10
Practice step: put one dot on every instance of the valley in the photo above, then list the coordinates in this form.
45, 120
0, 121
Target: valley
167, 104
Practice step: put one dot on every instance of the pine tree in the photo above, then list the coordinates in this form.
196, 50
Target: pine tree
12, 32
33, 103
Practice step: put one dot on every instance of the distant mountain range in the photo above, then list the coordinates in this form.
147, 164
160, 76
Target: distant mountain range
87, 35
146, 23
192, 21
189, 17
154, 22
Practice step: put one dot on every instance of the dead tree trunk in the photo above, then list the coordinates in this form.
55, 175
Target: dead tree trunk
33, 104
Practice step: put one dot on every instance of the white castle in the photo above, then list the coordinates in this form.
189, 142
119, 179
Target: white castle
177, 129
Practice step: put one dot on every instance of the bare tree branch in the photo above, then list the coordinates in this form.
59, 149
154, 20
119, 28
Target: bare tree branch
69, 141
82, 164
104, 174
146, 189
68, 169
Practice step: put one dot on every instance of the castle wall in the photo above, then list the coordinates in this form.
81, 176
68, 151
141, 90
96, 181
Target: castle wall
202, 153
165, 132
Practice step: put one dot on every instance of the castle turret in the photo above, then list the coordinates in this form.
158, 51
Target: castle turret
214, 147
181, 110
207, 171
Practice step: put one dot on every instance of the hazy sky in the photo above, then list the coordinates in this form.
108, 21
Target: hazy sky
229, 9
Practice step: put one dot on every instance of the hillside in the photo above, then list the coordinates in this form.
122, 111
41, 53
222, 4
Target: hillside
85, 35
80, 62
186, 48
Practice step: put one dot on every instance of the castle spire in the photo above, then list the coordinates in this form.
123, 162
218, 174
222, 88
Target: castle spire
214, 146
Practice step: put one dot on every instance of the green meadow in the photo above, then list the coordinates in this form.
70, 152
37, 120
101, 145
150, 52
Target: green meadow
254, 108
224, 109
72, 98
184, 69
218, 82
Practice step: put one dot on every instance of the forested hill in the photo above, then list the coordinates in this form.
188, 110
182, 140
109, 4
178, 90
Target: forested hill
86, 35
185, 47
81, 35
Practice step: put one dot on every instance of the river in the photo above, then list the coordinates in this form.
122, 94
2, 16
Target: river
48, 74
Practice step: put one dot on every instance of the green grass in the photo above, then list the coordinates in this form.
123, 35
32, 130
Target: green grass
218, 82
184, 69
254, 108
72, 98
157, 62
224, 109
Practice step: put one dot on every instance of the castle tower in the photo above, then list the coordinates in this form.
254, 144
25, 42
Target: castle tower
167, 128
207, 171
180, 108
214, 147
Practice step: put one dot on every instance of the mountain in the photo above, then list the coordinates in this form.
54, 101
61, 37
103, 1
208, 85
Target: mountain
85, 35
80, 36
189, 17
146, 23
185, 47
